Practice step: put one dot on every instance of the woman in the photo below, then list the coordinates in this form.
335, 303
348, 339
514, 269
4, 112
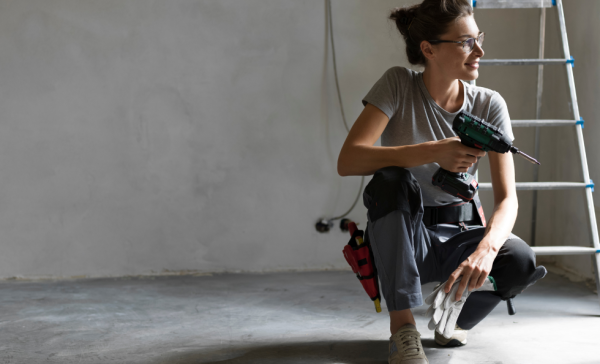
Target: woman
413, 112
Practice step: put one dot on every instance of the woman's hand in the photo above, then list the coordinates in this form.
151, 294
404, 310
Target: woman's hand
454, 156
474, 270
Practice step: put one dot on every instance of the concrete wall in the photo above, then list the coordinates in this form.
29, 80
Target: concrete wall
142, 136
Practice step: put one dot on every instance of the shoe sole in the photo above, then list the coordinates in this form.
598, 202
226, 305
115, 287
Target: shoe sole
452, 343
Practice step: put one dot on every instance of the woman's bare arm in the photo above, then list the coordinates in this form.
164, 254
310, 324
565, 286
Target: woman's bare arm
359, 157
478, 265
506, 204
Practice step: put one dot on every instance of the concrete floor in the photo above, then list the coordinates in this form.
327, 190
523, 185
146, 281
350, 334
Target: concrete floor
317, 317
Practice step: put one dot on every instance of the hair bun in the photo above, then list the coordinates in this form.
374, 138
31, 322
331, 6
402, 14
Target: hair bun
434, 18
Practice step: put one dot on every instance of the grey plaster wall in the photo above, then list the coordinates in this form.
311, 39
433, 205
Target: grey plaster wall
148, 136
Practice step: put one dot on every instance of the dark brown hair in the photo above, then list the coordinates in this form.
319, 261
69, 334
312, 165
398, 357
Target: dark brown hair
427, 21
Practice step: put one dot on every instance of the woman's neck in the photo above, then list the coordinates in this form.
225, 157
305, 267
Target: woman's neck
447, 93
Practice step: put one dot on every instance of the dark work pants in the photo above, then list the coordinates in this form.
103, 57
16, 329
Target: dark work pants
408, 254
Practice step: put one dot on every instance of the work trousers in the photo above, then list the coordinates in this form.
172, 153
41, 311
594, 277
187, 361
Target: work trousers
408, 254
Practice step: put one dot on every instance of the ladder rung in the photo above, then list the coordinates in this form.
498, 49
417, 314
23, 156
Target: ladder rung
563, 250
539, 122
511, 4
540, 186
525, 62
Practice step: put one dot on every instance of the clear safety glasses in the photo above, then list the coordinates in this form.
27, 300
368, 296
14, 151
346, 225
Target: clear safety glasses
467, 44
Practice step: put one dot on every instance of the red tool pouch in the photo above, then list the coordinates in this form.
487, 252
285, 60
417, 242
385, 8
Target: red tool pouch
360, 259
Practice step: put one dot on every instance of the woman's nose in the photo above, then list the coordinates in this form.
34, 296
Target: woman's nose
478, 49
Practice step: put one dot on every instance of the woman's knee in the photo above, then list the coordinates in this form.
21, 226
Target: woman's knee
514, 268
522, 257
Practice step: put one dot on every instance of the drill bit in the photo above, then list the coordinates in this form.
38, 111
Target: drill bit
529, 158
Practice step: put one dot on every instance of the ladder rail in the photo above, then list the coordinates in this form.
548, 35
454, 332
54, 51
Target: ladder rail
538, 115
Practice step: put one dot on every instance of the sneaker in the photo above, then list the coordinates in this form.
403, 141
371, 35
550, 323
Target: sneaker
458, 338
406, 347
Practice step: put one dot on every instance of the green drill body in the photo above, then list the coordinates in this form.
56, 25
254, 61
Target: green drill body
474, 133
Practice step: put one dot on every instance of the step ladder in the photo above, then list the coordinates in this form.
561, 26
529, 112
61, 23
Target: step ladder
587, 185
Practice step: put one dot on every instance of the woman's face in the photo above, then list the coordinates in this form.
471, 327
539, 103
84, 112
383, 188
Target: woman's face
451, 58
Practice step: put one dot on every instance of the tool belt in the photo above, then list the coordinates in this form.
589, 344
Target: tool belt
465, 212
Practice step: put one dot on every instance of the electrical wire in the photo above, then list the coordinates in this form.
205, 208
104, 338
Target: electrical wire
362, 181
337, 85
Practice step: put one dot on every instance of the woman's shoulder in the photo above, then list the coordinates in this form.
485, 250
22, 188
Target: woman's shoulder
483, 95
491, 106
399, 73
399, 78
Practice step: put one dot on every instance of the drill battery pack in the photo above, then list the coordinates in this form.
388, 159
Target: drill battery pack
462, 185
360, 257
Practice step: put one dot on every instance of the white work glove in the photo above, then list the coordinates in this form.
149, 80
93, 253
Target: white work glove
444, 309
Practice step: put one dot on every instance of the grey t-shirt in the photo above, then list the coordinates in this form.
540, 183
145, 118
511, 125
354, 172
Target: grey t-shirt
416, 118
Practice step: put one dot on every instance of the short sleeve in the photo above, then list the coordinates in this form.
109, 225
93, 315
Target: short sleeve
385, 94
498, 115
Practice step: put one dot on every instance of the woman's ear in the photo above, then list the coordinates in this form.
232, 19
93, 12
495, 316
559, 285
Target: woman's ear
427, 50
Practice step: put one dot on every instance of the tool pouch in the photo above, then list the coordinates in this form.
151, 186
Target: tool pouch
360, 258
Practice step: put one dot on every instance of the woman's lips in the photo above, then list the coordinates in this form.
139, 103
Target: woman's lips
474, 65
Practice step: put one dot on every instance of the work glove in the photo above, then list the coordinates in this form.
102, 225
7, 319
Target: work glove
444, 309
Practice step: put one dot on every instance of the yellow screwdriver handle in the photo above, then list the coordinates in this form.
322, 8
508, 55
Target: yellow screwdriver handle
377, 305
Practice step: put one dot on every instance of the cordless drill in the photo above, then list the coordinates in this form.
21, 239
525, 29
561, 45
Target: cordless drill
474, 133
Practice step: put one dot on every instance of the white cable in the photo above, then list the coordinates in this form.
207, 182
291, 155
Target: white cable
330, 28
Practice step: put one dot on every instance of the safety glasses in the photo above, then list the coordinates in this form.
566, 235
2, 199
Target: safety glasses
467, 44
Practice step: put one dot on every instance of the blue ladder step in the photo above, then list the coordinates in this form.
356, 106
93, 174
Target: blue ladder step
513, 4
526, 62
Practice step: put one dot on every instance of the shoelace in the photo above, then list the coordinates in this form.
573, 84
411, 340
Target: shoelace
411, 344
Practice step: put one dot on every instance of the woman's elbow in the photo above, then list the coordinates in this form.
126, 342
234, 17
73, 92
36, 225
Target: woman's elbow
512, 200
342, 170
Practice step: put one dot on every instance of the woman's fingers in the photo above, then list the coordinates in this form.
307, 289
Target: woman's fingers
473, 152
453, 278
471, 159
480, 281
464, 167
475, 277
463, 283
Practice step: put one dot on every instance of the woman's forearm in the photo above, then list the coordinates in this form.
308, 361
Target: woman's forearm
500, 224
364, 160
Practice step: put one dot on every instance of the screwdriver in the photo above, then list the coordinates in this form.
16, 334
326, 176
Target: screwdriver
527, 157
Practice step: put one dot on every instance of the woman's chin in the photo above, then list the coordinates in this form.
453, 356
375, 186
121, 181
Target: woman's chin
471, 75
